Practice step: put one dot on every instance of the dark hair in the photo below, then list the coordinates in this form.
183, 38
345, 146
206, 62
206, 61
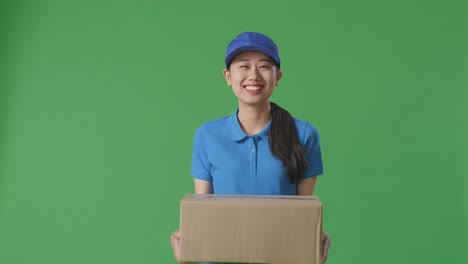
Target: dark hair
284, 143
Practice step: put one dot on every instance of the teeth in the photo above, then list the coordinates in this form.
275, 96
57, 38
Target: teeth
252, 88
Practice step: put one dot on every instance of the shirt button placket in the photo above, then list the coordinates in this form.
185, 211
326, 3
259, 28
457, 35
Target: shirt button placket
253, 160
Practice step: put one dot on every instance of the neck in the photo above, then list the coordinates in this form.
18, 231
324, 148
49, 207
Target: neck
253, 119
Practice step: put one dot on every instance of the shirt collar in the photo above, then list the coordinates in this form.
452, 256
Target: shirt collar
236, 133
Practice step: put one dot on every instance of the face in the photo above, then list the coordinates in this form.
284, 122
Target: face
252, 77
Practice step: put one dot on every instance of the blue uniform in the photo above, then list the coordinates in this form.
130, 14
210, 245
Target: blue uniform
236, 163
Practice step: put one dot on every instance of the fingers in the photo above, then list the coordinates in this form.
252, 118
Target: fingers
326, 241
175, 243
176, 234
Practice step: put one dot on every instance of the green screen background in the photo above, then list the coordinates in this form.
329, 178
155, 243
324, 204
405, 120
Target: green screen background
99, 101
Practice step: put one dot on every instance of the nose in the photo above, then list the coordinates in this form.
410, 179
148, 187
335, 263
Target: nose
254, 74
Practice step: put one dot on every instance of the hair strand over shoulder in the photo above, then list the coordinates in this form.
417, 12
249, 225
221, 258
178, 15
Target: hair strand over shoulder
285, 145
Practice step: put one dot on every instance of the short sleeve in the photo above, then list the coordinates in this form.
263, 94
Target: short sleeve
313, 152
200, 167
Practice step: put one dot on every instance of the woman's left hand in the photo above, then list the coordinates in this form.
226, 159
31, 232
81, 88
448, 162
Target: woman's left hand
326, 241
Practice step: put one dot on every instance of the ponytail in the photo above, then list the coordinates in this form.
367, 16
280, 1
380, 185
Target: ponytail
284, 143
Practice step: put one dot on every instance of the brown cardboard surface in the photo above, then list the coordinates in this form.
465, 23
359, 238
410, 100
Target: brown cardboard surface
251, 229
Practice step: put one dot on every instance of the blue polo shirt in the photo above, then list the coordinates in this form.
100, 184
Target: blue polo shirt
236, 163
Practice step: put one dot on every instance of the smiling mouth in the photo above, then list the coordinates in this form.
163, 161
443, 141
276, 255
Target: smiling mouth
252, 87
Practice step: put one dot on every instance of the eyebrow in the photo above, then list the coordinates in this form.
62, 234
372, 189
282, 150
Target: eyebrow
246, 59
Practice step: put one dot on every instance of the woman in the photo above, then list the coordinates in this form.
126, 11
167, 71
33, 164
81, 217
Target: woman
260, 148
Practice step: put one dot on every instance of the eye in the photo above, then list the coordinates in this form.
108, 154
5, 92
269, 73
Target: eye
244, 66
264, 67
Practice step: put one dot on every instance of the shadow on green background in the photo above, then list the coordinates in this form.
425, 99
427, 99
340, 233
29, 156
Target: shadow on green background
3, 75
6, 17
100, 101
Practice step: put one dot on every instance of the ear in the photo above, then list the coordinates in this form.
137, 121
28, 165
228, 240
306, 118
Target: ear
279, 74
227, 76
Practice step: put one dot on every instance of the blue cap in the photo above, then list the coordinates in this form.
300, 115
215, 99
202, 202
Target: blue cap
252, 41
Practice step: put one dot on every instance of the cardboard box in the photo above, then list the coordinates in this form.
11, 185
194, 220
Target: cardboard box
251, 229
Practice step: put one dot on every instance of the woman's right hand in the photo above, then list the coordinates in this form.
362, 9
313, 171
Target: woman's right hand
175, 242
